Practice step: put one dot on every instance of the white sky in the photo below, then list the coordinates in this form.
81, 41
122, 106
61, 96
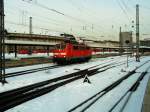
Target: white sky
96, 19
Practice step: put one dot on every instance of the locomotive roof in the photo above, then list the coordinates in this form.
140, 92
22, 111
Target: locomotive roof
66, 35
75, 43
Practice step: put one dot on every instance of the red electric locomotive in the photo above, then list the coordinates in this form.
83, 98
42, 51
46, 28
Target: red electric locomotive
71, 52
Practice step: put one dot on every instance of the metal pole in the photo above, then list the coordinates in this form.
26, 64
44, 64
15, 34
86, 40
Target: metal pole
15, 51
137, 33
30, 25
120, 42
30, 32
127, 57
1, 36
47, 50
2, 44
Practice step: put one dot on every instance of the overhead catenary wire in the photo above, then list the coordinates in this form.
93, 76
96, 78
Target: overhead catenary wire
54, 22
61, 13
75, 24
123, 10
96, 31
36, 27
48, 29
96, 28
54, 10
126, 8
88, 12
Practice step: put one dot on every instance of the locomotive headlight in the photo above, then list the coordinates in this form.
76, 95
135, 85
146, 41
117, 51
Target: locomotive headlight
63, 53
59, 53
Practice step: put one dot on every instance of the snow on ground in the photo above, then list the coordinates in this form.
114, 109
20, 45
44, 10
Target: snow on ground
136, 99
64, 98
17, 69
23, 68
70, 95
28, 79
111, 98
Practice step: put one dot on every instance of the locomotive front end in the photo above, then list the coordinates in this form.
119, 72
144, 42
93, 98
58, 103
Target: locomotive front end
59, 54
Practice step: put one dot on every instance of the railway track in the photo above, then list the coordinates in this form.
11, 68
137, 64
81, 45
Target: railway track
19, 73
17, 96
13, 74
83, 106
130, 91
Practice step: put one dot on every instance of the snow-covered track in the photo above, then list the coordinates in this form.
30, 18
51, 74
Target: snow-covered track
29, 71
86, 104
131, 90
13, 74
17, 96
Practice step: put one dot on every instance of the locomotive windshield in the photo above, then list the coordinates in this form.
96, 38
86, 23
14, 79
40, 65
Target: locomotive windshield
80, 47
60, 46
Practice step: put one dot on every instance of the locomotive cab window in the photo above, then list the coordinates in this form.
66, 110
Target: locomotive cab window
82, 48
75, 47
60, 46
87, 48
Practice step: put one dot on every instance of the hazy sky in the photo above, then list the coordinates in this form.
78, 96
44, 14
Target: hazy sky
94, 19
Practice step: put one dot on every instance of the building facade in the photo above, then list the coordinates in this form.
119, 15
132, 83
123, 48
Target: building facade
17, 41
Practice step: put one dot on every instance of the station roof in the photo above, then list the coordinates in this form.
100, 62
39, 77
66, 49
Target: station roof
101, 41
22, 35
22, 42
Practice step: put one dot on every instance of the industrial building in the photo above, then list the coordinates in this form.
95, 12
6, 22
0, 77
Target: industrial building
145, 43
